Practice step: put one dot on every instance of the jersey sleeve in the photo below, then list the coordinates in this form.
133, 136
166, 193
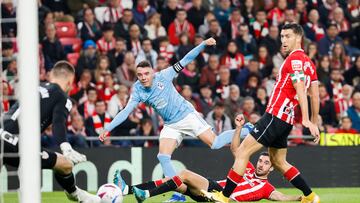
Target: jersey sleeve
123, 114
169, 73
267, 190
295, 69
250, 166
313, 74
60, 114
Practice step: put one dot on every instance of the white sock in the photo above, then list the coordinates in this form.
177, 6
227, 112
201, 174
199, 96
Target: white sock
147, 193
126, 190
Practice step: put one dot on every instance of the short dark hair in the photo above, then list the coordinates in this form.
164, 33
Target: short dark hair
296, 28
144, 64
264, 153
180, 10
63, 69
332, 25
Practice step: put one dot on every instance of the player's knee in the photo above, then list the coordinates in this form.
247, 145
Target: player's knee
184, 174
63, 165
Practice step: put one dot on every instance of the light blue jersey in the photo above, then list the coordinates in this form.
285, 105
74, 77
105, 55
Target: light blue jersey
162, 95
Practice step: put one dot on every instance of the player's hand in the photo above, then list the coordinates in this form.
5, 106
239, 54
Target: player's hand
239, 121
71, 154
210, 42
314, 130
104, 135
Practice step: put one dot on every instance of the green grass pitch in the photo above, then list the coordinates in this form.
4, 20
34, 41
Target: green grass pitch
327, 195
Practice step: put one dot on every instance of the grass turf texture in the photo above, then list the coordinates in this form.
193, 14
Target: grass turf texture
328, 195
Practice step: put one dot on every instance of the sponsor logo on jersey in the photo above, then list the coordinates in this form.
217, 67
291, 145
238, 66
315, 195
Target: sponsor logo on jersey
160, 85
296, 65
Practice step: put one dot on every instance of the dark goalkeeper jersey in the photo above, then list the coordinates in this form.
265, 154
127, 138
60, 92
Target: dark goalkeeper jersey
54, 109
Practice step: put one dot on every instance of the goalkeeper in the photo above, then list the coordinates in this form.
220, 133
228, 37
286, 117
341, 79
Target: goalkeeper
54, 109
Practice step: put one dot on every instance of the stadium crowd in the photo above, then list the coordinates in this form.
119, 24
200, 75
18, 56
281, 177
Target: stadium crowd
105, 39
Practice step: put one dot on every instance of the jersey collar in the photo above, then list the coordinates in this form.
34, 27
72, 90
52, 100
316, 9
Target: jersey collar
296, 51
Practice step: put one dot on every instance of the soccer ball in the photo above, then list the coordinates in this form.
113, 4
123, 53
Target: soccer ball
110, 193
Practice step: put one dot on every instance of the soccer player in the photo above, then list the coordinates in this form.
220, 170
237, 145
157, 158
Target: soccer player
296, 75
253, 187
54, 109
180, 117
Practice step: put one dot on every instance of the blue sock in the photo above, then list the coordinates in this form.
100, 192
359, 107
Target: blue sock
225, 137
167, 167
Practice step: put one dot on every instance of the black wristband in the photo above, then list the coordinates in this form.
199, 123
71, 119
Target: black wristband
178, 67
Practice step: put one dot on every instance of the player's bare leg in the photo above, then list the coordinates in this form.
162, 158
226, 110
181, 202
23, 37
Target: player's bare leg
194, 182
207, 137
64, 176
248, 147
278, 159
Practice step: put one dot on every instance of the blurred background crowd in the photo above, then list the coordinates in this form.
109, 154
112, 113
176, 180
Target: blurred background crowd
105, 39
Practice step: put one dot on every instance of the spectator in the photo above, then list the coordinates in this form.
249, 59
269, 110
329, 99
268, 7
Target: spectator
215, 32
232, 27
96, 123
251, 68
76, 134
290, 17
313, 29
327, 42
345, 126
184, 46
254, 117
261, 25
113, 12
87, 58
209, 74
154, 28
204, 28
90, 28
334, 87
301, 12
52, 48
102, 68
270, 81
6, 91
222, 87
277, 15
7, 54
147, 53
107, 42
338, 58
187, 93
353, 73
246, 42
107, 89
312, 52
8, 10
323, 69
59, 8
79, 89
207, 99
326, 10
87, 109
166, 50
168, 13
354, 111
179, 26
248, 11
248, 107
233, 102
134, 42
48, 19
222, 12
251, 86
197, 13
125, 73
189, 76
142, 12
118, 101
121, 27
342, 104
272, 41
162, 63
261, 100
233, 59
218, 120
327, 108
265, 61
145, 129
47, 138
116, 55
10, 74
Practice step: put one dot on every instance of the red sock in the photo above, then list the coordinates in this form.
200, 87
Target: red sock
177, 180
158, 182
291, 173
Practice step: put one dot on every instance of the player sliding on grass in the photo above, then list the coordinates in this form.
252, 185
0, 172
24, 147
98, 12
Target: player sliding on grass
54, 109
296, 75
180, 117
253, 187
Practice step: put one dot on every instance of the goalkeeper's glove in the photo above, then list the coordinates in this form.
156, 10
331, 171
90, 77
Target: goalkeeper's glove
71, 154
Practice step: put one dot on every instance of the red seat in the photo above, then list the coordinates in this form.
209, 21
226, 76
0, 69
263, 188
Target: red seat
65, 29
73, 58
76, 43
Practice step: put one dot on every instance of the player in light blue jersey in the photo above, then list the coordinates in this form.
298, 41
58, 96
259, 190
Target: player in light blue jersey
180, 117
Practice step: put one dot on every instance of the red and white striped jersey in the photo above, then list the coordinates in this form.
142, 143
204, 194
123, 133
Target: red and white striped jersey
250, 188
296, 67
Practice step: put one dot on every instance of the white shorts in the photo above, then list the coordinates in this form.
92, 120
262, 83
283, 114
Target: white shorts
192, 125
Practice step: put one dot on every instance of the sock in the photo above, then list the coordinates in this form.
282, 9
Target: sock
169, 185
67, 182
294, 177
167, 167
146, 186
231, 182
225, 137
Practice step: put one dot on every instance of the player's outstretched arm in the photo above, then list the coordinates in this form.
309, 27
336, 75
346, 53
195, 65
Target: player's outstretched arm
196, 51
239, 123
278, 196
119, 118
